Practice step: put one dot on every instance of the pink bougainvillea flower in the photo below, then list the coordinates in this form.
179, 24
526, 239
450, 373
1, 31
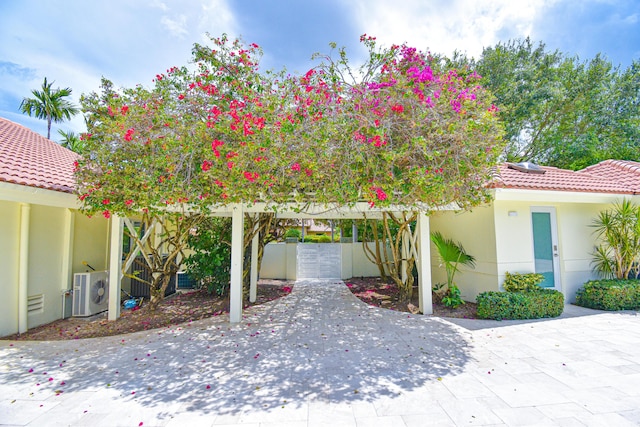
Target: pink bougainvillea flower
398, 108
251, 176
128, 202
295, 167
181, 96
124, 109
106, 201
230, 165
128, 136
206, 165
380, 194
106, 214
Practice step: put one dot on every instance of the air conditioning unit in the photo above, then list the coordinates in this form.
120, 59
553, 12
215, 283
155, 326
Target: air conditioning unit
90, 293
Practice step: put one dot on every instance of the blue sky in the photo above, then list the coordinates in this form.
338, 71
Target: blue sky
75, 42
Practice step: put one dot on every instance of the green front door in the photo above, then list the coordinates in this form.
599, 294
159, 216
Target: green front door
545, 246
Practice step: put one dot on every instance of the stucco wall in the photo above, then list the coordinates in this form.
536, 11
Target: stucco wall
50, 237
475, 230
9, 249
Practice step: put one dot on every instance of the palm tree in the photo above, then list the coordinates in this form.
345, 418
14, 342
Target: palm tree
451, 254
618, 254
50, 104
71, 140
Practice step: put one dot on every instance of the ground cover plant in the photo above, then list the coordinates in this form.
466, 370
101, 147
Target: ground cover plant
385, 294
176, 311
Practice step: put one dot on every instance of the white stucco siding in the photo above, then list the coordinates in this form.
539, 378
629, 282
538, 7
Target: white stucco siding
475, 230
90, 243
9, 249
514, 240
45, 262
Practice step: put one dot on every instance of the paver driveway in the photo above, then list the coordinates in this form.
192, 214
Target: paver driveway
321, 357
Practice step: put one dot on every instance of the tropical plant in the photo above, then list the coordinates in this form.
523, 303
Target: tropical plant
71, 140
49, 104
452, 298
618, 228
451, 254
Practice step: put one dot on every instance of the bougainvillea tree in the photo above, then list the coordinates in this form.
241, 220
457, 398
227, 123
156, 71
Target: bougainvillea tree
397, 132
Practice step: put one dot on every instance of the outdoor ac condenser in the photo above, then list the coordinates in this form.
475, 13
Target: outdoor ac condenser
90, 293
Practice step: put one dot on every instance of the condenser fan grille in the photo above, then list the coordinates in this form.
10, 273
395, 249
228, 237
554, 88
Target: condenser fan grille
98, 291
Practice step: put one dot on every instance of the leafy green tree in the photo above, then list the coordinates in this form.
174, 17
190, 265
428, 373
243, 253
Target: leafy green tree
49, 104
401, 133
618, 254
558, 110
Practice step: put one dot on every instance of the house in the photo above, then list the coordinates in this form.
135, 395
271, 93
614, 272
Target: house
539, 221
44, 239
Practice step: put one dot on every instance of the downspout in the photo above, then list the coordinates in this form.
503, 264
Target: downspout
23, 268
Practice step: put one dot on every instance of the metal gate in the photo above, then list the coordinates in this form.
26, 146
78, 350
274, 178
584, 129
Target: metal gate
319, 261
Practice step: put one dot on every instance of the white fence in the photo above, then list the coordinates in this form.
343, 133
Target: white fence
318, 260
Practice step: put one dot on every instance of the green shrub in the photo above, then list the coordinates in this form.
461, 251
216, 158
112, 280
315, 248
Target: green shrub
522, 282
610, 294
323, 238
520, 305
452, 297
311, 238
293, 232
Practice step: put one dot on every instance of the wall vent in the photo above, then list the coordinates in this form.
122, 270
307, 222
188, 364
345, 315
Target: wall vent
35, 304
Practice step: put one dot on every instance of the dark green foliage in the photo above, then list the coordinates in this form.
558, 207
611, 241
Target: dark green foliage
210, 262
520, 305
293, 232
452, 297
610, 295
519, 282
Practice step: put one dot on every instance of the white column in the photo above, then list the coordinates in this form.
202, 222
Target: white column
115, 266
66, 277
23, 267
237, 238
424, 264
404, 251
253, 289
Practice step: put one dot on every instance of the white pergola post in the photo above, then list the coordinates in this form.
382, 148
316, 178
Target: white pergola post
253, 289
23, 267
237, 238
115, 267
423, 262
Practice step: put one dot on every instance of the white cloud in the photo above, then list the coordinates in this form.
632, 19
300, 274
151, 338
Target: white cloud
176, 27
446, 26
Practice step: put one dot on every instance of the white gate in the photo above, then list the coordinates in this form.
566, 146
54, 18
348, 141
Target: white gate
319, 261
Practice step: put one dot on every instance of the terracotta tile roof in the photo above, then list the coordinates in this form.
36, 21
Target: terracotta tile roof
555, 179
624, 172
27, 158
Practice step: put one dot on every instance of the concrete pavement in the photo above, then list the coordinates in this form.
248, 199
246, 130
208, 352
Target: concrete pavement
321, 357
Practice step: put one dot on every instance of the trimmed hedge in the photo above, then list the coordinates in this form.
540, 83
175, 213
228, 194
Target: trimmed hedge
610, 295
520, 305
